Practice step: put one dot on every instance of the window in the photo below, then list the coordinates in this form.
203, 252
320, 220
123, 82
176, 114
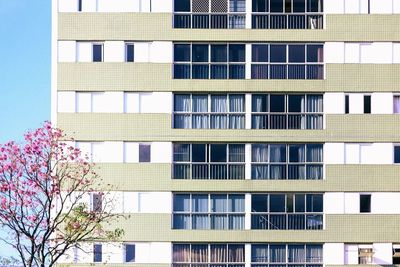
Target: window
365, 254
346, 104
287, 211
396, 104
208, 211
129, 252
365, 203
396, 152
283, 61
287, 14
204, 61
286, 111
396, 254
144, 152
96, 202
367, 104
291, 253
97, 52
209, 161
208, 253
129, 52
220, 14
209, 111
97, 253
282, 162
80, 5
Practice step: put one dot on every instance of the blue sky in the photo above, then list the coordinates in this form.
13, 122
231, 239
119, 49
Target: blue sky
25, 34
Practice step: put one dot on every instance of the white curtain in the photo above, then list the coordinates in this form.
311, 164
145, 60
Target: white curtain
181, 253
277, 253
296, 253
259, 153
259, 253
199, 253
182, 103
200, 105
219, 253
314, 153
236, 253
200, 121
314, 253
219, 203
315, 103
219, 104
396, 104
236, 153
277, 153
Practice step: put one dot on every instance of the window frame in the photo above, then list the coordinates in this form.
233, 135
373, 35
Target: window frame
97, 252
127, 45
101, 45
125, 252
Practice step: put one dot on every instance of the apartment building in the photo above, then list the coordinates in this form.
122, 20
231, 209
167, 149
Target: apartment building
237, 132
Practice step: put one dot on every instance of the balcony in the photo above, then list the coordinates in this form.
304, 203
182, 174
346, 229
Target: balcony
210, 171
287, 71
209, 21
284, 221
287, 21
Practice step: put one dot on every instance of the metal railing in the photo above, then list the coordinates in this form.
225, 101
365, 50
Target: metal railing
287, 221
212, 171
220, 221
287, 21
312, 121
314, 71
209, 70
291, 171
213, 120
209, 20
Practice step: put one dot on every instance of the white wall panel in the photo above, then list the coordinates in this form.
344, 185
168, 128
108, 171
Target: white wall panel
155, 202
364, 6
383, 253
114, 51
67, 6
118, 5
396, 6
161, 52
112, 252
334, 103
247, 207
142, 252
161, 102
352, 203
83, 51
130, 202
385, 203
115, 101
160, 252
89, 5
334, 153
113, 151
161, 152
98, 151
356, 103
334, 6
381, 103
66, 101
396, 52
333, 253
334, 203
376, 53
351, 254
146, 103
145, 5
131, 152
381, 6
83, 102
141, 51
367, 153
351, 53
131, 102
85, 148
351, 153
161, 6
99, 102
352, 6
382, 153
334, 52
66, 51
114, 201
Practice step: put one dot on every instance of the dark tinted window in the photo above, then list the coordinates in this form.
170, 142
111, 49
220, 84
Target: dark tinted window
299, 6
289, 202
314, 6
237, 53
365, 203
277, 153
315, 53
296, 153
181, 202
130, 55
97, 203
278, 53
397, 154
259, 103
218, 153
297, 53
314, 203
129, 253
259, 53
296, 103
367, 104
277, 103
79, 5
199, 153
182, 5
181, 52
259, 203
288, 6
277, 203
219, 53
97, 253
260, 5
300, 203
200, 53
97, 52
181, 152
346, 104
144, 153
277, 6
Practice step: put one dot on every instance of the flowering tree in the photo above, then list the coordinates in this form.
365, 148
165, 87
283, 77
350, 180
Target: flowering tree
43, 183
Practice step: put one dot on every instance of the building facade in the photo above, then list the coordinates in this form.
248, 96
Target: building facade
236, 132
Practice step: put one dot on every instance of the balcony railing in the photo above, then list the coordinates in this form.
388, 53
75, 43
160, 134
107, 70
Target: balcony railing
209, 21
287, 21
221, 221
287, 121
213, 120
278, 264
209, 71
292, 171
202, 264
286, 221
212, 171
287, 71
